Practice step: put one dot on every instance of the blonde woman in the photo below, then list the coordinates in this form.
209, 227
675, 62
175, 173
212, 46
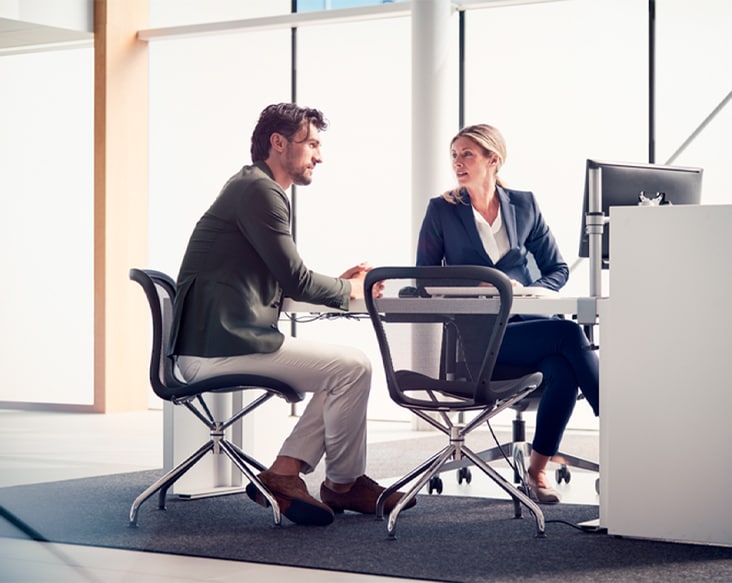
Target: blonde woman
482, 222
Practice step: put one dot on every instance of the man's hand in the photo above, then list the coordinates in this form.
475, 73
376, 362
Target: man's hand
356, 275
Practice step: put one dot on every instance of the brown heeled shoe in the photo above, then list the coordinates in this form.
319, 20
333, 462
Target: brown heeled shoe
541, 494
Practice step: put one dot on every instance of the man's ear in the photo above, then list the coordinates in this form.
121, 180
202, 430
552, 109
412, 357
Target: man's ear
277, 142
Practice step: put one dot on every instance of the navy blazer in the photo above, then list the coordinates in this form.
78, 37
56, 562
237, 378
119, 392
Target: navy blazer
449, 236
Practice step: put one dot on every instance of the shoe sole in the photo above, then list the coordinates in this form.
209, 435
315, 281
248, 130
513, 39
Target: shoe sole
339, 509
298, 511
535, 497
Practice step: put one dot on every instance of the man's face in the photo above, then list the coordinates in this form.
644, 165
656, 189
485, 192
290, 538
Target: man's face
302, 154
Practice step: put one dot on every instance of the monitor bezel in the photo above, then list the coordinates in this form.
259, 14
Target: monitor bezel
608, 197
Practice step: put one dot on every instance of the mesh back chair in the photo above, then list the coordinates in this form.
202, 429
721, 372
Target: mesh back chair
518, 442
517, 448
160, 290
414, 378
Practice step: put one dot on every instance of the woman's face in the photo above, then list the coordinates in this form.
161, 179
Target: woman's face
470, 164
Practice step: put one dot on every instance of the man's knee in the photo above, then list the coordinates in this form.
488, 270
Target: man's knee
362, 364
356, 365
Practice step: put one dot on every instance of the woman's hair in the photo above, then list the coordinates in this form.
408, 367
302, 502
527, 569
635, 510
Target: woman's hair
285, 119
489, 140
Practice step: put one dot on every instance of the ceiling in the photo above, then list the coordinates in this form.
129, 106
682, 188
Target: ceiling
17, 37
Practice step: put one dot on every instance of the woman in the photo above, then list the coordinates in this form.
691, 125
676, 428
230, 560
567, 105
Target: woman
481, 222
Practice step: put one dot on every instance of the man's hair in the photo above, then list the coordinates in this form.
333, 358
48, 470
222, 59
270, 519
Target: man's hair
285, 119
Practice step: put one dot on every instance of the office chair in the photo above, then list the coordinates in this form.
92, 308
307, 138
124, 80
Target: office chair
160, 291
452, 367
518, 442
414, 380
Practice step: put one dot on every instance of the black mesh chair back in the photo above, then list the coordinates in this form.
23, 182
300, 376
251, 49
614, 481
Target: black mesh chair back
420, 305
160, 292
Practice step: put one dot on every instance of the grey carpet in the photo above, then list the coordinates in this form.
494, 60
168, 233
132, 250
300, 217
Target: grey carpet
395, 458
442, 538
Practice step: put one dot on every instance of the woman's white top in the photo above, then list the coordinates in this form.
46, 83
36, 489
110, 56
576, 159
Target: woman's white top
494, 237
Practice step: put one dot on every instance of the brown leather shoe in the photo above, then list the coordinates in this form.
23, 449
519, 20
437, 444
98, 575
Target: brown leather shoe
293, 499
361, 497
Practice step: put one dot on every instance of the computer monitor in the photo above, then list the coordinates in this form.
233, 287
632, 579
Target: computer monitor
621, 184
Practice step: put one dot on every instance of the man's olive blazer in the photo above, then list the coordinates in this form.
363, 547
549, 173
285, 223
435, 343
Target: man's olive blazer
240, 262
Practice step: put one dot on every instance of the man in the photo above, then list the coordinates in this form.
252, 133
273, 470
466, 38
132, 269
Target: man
240, 262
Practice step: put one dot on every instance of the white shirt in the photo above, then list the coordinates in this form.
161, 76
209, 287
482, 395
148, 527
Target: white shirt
494, 237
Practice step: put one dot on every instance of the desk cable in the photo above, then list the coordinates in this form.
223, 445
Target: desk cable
313, 317
584, 528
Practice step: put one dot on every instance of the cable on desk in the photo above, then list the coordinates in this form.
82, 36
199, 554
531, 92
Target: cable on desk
306, 318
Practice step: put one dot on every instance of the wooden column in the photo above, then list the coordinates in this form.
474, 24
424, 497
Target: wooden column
121, 317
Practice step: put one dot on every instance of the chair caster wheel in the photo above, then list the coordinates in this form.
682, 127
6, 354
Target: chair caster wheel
435, 485
464, 474
563, 474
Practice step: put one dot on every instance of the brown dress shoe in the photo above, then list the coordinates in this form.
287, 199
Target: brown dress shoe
293, 499
361, 497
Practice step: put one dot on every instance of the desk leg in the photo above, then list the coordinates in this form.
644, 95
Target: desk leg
183, 433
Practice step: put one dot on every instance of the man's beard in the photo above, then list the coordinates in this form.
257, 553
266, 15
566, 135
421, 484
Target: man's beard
299, 175
301, 178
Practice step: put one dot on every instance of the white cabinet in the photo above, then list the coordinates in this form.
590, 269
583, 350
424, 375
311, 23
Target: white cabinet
666, 375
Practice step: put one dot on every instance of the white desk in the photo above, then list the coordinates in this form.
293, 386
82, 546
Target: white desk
521, 305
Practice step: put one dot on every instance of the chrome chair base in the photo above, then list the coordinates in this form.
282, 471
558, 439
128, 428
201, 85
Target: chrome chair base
461, 455
217, 444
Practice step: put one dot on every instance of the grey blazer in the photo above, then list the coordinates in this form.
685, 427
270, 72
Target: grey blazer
240, 262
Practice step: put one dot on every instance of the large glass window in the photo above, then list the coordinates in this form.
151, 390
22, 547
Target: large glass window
358, 207
47, 227
311, 5
206, 94
563, 81
693, 101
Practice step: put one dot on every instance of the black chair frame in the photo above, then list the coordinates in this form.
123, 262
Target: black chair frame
481, 396
160, 290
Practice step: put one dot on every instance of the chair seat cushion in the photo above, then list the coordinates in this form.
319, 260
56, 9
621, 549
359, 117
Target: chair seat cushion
411, 381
